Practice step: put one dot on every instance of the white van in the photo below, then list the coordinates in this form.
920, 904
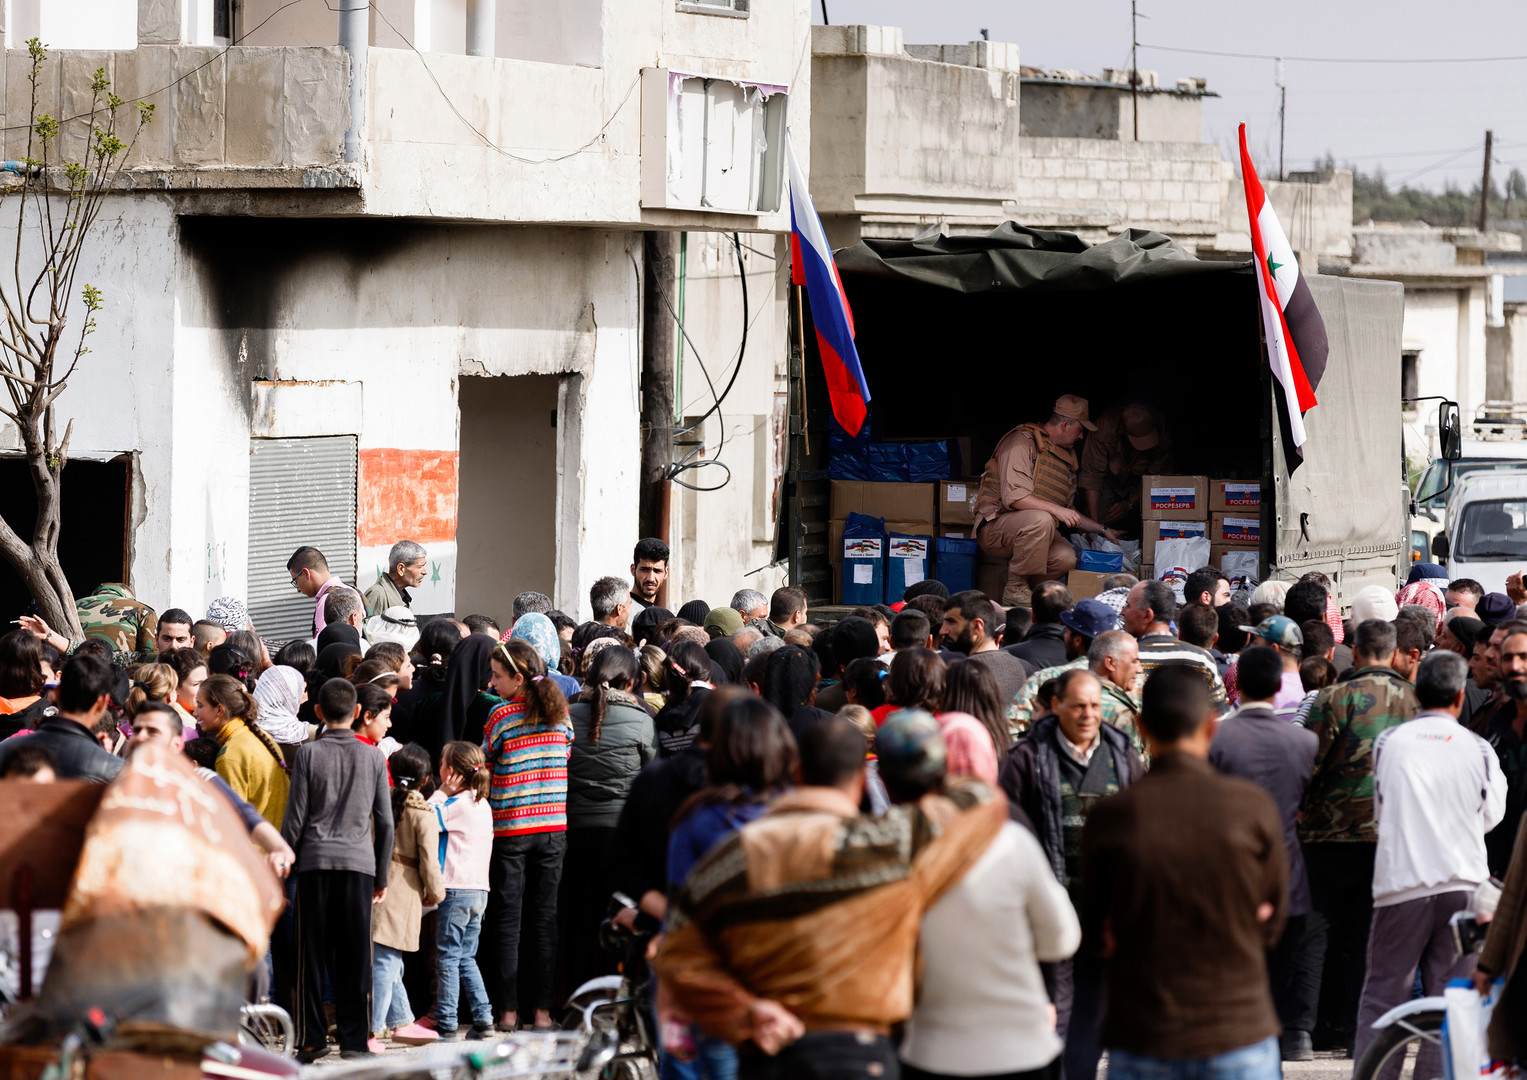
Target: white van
1485, 533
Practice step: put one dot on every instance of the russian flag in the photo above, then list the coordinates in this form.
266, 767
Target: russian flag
811, 265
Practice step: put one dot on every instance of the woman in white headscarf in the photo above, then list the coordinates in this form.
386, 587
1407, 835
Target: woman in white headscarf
281, 692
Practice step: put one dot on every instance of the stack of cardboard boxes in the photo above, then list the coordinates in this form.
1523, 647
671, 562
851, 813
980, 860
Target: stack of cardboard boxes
924, 511
1229, 512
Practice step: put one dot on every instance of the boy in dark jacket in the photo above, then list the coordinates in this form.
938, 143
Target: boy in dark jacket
339, 821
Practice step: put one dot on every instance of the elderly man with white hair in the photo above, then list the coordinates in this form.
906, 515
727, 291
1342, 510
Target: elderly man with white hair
407, 566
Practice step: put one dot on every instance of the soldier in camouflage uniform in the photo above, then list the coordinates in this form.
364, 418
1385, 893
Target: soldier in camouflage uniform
1338, 829
116, 617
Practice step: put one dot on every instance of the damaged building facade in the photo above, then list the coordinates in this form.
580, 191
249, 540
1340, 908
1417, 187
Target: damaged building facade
347, 309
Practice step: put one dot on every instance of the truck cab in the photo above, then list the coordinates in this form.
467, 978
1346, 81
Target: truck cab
1485, 531
1495, 440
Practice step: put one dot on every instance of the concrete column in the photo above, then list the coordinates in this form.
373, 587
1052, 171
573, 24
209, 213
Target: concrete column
481, 27
354, 35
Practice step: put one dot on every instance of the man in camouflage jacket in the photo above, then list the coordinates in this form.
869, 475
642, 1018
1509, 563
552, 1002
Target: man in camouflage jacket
116, 617
1339, 833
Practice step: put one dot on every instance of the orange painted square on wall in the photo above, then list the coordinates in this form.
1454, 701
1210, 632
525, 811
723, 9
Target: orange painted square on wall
405, 495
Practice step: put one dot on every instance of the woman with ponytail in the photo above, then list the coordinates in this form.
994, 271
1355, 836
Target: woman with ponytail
527, 746
249, 760
688, 674
613, 737
413, 880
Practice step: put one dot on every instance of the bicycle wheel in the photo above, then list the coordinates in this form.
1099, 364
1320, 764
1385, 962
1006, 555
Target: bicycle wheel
1408, 1049
268, 1027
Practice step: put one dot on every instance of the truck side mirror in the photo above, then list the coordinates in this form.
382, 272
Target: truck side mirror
1440, 546
1450, 431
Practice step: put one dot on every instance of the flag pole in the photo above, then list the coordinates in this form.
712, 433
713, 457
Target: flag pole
800, 335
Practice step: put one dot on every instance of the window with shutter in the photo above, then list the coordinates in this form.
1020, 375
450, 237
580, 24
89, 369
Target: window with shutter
301, 491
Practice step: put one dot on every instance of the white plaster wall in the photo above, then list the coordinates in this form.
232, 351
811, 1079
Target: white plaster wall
718, 537
73, 24
1472, 346
1431, 326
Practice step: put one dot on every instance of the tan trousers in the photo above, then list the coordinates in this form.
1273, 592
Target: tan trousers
1031, 542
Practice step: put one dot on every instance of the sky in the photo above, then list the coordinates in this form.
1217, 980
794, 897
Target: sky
1421, 122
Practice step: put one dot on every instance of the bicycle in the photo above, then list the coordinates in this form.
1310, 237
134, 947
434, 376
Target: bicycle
610, 1009
1417, 1024
268, 1027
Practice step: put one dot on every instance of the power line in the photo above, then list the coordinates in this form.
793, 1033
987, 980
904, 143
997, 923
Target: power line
1339, 59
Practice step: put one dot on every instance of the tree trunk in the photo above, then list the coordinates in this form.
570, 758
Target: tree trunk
37, 563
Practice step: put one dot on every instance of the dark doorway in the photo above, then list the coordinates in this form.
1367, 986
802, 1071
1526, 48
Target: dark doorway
92, 542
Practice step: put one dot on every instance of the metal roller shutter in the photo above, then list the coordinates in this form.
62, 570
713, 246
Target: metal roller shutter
301, 491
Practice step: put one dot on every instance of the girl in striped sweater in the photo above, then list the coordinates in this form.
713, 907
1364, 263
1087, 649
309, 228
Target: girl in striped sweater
529, 738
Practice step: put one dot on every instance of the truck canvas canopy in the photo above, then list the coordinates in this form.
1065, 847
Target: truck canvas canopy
968, 336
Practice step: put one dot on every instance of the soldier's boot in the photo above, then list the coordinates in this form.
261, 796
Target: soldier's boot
1018, 593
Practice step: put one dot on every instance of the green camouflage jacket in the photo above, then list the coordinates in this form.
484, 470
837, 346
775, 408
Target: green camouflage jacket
1121, 709
114, 616
1348, 718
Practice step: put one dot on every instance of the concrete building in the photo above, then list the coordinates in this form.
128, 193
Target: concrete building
392, 288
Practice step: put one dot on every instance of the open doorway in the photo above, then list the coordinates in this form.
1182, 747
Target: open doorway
92, 538
506, 530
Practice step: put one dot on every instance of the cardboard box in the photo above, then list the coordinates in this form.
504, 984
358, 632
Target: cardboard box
1217, 551
957, 501
1242, 498
1082, 585
1167, 530
901, 502
1236, 531
835, 534
1173, 498
957, 532
1147, 572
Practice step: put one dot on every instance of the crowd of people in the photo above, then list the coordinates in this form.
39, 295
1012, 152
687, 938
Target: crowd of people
934, 839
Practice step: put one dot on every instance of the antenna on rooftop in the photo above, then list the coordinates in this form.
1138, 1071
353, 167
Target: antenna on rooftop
1282, 108
985, 34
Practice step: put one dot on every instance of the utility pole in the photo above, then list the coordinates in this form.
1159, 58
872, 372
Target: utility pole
1484, 186
1282, 109
825, 20
659, 334
1134, 66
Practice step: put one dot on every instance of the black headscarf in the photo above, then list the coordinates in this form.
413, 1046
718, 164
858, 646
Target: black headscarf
726, 661
466, 673
338, 632
695, 611
644, 626
332, 657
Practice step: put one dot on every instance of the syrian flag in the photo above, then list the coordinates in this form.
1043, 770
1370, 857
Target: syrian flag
1296, 334
811, 265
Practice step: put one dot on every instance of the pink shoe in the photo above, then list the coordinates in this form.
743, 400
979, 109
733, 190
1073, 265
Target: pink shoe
426, 1022
376, 1046
415, 1035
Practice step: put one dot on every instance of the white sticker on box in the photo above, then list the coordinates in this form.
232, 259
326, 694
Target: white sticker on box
909, 547
1240, 530
911, 571
1174, 498
864, 574
956, 493
1243, 494
861, 547
1168, 529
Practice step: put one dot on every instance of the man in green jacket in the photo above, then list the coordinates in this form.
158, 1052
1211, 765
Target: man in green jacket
407, 565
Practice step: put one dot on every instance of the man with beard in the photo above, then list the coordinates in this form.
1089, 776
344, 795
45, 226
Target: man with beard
970, 620
1504, 731
1485, 668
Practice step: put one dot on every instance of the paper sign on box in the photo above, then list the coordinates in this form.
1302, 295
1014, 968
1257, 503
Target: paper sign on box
1237, 530
1174, 498
1243, 497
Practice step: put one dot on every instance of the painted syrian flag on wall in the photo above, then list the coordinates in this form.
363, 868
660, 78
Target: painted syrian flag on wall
1296, 334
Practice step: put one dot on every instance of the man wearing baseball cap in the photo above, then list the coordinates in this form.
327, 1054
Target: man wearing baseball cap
1025, 497
1130, 443
1283, 634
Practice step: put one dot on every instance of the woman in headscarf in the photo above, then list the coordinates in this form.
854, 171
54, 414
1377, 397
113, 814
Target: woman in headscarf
281, 692
334, 659
336, 633
465, 704
725, 661
537, 631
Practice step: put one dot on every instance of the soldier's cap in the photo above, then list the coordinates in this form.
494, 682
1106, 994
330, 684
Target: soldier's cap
1140, 428
1074, 408
910, 749
1278, 630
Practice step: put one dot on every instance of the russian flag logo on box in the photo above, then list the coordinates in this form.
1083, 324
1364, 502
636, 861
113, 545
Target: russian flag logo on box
1174, 498
1241, 531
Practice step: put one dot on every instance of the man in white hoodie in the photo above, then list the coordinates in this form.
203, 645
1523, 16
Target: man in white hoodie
1438, 789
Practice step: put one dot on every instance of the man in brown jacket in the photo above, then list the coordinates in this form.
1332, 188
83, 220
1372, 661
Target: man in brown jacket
795, 936
1504, 944
1026, 494
1186, 890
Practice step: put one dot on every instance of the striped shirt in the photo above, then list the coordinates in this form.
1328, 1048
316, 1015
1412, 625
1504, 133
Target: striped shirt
1158, 649
528, 793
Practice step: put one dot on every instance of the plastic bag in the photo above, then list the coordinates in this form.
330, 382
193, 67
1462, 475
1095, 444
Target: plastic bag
1465, 1046
1242, 568
1178, 557
1128, 549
